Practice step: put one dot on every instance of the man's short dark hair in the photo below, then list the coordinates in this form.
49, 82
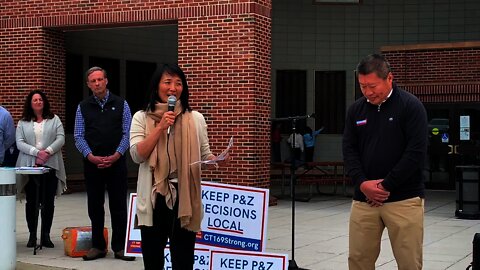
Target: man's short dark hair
374, 63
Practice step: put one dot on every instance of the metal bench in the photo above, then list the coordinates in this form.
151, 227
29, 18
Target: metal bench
313, 174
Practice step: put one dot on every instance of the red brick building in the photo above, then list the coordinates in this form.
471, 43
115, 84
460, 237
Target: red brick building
224, 45
444, 76
438, 73
225, 48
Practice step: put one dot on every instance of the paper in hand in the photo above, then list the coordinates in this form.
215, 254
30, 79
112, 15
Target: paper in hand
220, 157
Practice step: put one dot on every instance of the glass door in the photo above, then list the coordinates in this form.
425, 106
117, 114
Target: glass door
439, 164
467, 148
454, 140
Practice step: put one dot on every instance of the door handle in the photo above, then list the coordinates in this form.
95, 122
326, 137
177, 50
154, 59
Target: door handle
451, 149
455, 151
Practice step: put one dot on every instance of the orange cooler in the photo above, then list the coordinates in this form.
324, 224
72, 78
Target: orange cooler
78, 240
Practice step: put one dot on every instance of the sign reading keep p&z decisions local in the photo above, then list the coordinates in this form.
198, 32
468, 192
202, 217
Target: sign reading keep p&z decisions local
235, 217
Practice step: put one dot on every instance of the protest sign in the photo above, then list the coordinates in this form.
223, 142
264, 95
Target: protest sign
232, 260
235, 217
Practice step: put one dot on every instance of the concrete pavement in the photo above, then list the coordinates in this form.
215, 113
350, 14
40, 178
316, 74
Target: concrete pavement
321, 235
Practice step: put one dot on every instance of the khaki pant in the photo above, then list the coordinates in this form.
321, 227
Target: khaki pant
404, 222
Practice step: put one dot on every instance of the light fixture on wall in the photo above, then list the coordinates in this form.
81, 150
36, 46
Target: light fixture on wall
343, 2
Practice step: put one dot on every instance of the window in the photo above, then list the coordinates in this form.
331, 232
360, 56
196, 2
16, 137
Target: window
291, 96
138, 78
74, 85
291, 93
330, 88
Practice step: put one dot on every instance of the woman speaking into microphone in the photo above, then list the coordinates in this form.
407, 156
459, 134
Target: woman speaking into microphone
166, 140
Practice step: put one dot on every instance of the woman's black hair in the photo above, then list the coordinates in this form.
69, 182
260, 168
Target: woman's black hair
28, 114
152, 93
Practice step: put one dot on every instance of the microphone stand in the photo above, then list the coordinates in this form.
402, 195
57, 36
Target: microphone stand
292, 264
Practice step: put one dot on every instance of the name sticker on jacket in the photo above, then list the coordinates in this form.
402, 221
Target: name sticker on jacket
361, 122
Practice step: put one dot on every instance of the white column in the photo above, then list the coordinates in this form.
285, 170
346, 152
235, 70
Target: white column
8, 190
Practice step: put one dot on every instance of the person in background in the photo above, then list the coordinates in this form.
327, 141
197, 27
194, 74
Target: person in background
309, 141
40, 138
7, 133
167, 144
11, 155
102, 124
384, 150
298, 146
277, 142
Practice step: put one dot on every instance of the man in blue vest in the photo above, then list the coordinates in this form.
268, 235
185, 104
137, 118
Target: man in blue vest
102, 130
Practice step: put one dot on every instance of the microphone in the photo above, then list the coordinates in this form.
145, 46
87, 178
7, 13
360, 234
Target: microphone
171, 107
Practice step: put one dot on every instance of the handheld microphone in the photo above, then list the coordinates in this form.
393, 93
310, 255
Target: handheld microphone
171, 106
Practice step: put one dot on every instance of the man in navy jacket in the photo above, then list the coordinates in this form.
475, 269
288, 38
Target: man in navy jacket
384, 148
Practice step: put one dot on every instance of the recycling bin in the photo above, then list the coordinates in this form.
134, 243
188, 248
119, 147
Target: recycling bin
8, 194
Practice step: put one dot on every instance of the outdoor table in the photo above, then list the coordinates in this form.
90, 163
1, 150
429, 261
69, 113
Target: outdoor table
38, 175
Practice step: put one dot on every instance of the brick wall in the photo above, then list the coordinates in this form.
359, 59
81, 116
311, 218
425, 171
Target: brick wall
438, 73
31, 58
227, 60
223, 46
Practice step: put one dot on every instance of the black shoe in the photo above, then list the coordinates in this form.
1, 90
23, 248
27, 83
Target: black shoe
120, 255
32, 240
93, 254
46, 242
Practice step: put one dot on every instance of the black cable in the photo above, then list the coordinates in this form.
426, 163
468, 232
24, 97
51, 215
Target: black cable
169, 188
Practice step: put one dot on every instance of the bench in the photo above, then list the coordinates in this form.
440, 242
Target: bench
313, 174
